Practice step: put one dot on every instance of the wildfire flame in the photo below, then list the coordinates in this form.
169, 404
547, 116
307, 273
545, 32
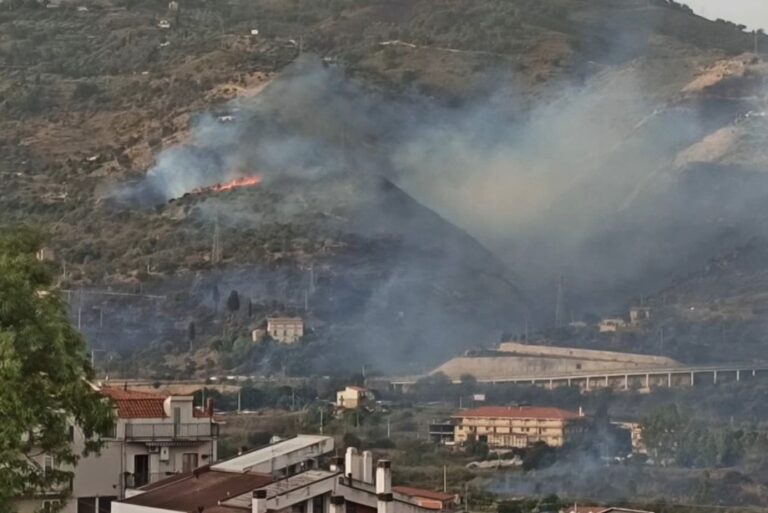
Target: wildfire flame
237, 183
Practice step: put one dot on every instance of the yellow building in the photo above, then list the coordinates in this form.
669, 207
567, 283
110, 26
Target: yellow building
521, 426
353, 397
286, 330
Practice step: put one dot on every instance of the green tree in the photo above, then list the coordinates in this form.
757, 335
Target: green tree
662, 431
233, 301
44, 376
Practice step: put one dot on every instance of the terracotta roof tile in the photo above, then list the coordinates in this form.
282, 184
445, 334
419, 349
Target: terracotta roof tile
132, 404
427, 494
528, 412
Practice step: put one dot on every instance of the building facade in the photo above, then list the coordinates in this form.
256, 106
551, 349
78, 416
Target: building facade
353, 397
286, 330
611, 325
639, 314
154, 437
517, 427
442, 431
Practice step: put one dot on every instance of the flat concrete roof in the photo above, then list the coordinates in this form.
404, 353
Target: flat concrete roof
268, 453
283, 486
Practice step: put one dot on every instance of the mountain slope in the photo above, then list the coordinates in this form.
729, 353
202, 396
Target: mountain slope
93, 101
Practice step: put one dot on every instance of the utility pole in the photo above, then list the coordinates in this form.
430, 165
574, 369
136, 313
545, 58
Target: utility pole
559, 302
757, 41
321, 420
239, 403
216, 250
445, 478
526, 327
300, 24
389, 427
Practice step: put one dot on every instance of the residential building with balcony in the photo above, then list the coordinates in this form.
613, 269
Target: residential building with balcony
518, 427
442, 431
155, 436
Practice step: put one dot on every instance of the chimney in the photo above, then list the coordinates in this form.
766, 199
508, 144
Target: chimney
384, 500
209, 407
353, 464
337, 504
368, 467
259, 501
337, 464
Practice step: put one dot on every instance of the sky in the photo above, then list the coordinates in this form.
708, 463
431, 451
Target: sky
752, 13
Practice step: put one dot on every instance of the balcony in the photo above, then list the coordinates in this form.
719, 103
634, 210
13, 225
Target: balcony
169, 431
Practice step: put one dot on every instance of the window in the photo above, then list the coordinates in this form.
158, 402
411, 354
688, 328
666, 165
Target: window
140, 470
50, 505
318, 504
48, 464
105, 504
189, 461
86, 505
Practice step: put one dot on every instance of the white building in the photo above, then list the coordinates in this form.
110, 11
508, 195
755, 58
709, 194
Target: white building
286, 330
257, 482
155, 437
611, 325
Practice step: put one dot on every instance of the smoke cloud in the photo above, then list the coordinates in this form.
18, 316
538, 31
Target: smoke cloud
581, 185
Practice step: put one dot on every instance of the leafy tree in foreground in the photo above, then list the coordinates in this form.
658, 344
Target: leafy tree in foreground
44, 373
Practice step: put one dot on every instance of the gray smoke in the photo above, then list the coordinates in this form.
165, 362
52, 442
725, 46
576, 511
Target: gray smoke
581, 184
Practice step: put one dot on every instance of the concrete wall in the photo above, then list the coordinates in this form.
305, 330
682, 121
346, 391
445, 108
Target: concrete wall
119, 507
520, 360
587, 354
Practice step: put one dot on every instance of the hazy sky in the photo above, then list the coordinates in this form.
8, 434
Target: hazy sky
752, 13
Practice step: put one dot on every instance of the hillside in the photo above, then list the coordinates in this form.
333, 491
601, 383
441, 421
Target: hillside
93, 100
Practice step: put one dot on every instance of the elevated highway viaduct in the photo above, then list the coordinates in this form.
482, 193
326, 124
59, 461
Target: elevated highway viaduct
630, 379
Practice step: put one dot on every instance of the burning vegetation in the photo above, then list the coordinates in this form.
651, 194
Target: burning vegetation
237, 183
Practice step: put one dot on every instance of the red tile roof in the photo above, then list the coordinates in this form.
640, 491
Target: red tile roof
427, 494
132, 404
517, 412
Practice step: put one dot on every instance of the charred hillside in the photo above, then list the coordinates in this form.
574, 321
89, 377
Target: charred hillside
376, 276
410, 119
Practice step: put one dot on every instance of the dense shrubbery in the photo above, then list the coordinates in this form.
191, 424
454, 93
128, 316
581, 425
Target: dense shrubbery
675, 436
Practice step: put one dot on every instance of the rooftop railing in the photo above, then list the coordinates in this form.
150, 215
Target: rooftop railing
170, 431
